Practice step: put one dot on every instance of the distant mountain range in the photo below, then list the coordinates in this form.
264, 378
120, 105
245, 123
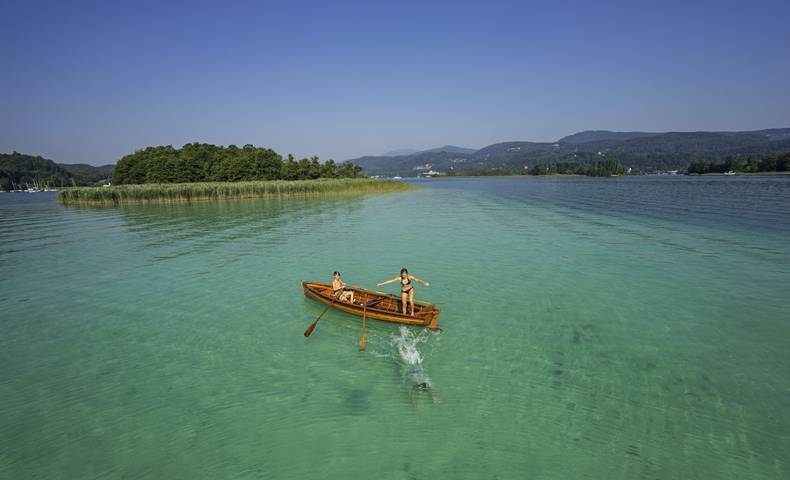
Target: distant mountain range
22, 170
643, 151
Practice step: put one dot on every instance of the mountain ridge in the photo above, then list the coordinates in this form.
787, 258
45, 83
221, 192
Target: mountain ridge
643, 151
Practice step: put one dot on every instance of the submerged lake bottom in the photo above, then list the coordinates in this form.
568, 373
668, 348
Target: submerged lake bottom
593, 328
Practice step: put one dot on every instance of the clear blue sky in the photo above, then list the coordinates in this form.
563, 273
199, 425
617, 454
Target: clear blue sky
92, 81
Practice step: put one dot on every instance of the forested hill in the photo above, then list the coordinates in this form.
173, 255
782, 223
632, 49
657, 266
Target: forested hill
26, 170
642, 151
89, 174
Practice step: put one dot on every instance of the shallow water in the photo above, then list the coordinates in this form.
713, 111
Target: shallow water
594, 328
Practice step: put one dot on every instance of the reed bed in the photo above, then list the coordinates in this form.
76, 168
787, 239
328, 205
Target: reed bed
188, 192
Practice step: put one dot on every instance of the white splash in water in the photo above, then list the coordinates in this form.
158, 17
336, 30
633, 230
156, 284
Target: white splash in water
407, 347
414, 375
406, 343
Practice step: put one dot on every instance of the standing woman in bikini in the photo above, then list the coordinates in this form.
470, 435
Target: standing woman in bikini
406, 288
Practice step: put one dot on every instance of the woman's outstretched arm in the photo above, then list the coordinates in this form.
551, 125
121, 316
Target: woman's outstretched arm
394, 279
418, 280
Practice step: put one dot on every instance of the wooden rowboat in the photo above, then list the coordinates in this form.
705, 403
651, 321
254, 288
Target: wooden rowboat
380, 306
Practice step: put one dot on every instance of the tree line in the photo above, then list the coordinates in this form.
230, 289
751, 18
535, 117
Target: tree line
599, 168
202, 162
779, 162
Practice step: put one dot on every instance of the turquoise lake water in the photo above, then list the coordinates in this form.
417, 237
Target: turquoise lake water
593, 328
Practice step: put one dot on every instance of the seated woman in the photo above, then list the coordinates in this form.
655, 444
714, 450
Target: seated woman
406, 288
339, 289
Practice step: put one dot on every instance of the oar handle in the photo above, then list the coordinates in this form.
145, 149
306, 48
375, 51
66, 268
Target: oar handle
366, 289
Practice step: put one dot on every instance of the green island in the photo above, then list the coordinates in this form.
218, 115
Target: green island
196, 171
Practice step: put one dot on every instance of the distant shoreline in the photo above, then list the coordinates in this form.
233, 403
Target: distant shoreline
162, 193
514, 175
737, 174
510, 176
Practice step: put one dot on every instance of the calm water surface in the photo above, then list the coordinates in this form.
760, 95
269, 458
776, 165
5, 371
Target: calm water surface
594, 328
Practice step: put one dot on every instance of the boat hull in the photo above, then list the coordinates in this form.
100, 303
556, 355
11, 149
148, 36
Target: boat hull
382, 306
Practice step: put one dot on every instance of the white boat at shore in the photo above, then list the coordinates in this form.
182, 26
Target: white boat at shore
730, 173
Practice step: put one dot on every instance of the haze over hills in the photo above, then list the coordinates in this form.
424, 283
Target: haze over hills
411, 151
400, 151
642, 151
596, 135
450, 149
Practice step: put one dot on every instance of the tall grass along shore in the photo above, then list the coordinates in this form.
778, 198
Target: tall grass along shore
187, 192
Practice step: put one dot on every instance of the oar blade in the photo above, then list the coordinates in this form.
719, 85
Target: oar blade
310, 329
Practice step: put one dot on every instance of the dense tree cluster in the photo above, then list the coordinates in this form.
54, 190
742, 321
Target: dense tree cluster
779, 162
600, 168
201, 162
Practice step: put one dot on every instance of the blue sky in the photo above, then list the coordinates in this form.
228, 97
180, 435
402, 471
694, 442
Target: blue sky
91, 81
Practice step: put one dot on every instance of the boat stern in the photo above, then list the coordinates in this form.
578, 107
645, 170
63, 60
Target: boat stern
434, 323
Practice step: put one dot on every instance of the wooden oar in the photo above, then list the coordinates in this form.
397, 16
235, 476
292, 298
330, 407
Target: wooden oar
363, 289
312, 327
362, 342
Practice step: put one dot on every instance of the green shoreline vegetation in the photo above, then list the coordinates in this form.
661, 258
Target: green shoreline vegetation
201, 191
768, 165
776, 164
600, 168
